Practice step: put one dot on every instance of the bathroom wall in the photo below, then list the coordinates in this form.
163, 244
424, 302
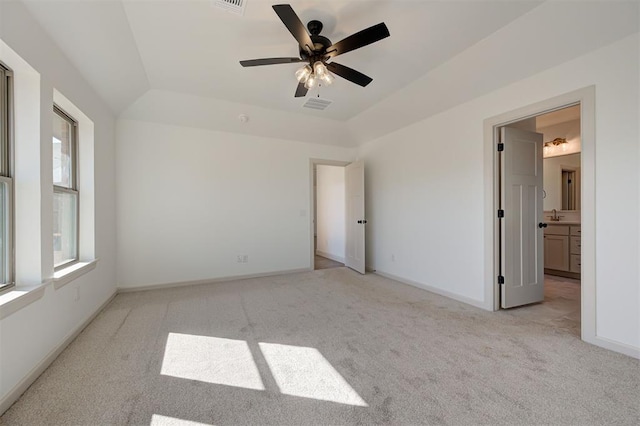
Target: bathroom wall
570, 130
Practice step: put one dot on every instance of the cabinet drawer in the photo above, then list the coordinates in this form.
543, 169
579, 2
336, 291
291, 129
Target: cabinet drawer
576, 230
575, 263
556, 229
575, 245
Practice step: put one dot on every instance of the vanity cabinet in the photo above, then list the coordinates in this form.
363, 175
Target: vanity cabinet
575, 245
562, 250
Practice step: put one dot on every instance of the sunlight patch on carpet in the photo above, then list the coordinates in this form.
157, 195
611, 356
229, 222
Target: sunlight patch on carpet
159, 420
212, 360
304, 372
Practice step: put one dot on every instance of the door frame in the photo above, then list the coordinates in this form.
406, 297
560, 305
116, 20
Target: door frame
312, 201
585, 97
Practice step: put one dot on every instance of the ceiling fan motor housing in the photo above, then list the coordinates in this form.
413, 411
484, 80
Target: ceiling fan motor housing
320, 43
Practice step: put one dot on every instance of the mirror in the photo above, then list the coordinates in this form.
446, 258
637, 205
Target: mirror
561, 182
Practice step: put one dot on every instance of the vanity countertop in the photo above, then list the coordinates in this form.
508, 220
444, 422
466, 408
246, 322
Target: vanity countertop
562, 222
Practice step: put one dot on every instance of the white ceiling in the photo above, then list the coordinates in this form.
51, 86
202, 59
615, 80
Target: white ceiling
124, 48
558, 117
176, 61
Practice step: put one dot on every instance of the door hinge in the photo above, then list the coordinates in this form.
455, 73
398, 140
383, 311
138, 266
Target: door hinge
500, 213
500, 147
500, 279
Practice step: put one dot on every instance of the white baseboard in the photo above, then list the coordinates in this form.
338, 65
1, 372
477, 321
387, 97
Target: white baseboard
468, 301
210, 280
15, 393
612, 345
330, 256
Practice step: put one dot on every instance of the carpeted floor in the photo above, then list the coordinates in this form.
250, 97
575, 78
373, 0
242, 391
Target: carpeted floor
325, 347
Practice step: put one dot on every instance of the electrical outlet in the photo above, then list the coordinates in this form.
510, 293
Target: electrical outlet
245, 258
239, 258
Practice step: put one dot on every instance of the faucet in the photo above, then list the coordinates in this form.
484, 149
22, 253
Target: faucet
555, 217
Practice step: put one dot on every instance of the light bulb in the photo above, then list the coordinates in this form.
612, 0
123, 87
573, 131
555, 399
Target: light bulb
303, 74
327, 78
319, 69
311, 82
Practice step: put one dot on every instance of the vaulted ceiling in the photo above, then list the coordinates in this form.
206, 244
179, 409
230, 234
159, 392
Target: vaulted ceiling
142, 54
125, 47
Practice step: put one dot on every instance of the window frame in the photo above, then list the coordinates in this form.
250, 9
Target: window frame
6, 175
74, 182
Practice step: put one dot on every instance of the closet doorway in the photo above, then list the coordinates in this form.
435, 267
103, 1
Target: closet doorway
329, 233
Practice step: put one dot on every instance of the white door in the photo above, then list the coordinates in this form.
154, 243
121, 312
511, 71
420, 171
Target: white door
355, 221
521, 254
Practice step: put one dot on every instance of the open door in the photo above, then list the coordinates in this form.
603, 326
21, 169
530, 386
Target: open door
355, 221
521, 228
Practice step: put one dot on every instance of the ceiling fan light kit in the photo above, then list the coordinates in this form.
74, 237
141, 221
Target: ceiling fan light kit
310, 78
303, 74
317, 50
327, 79
319, 69
311, 82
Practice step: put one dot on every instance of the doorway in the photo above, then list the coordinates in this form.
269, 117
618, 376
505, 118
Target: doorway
327, 212
584, 100
348, 240
329, 216
558, 232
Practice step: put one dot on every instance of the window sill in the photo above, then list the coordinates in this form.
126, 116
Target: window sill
19, 297
22, 295
70, 273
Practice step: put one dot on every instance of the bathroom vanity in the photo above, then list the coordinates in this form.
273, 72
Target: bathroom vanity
561, 200
562, 243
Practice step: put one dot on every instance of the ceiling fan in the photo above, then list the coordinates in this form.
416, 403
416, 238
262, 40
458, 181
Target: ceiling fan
317, 50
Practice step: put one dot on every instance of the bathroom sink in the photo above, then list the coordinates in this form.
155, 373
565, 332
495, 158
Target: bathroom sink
563, 222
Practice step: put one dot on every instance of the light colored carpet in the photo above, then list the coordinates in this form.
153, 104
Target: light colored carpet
325, 347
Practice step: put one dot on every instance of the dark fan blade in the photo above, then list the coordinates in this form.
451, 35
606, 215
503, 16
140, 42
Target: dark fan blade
294, 25
269, 61
301, 91
349, 74
358, 40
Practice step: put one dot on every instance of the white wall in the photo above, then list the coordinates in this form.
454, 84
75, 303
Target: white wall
30, 334
426, 182
191, 200
331, 212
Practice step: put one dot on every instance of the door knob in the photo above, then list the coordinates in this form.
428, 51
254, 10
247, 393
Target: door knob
542, 225
362, 221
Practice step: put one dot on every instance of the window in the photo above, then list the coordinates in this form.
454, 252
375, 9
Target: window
6, 181
65, 189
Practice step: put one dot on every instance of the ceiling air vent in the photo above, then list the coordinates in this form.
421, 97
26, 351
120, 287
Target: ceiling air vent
317, 103
233, 6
